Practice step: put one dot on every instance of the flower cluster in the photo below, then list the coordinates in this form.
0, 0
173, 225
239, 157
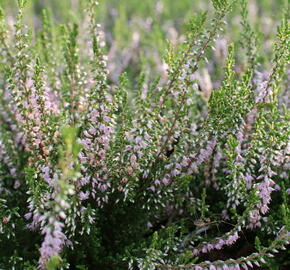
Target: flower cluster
165, 174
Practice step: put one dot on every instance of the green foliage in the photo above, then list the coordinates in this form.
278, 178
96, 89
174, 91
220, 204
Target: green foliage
172, 152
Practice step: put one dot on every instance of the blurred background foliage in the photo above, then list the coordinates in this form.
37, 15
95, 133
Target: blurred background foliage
136, 32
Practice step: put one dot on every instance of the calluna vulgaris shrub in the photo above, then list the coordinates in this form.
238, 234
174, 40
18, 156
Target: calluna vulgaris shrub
97, 176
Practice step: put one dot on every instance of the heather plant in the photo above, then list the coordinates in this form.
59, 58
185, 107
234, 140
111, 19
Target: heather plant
102, 173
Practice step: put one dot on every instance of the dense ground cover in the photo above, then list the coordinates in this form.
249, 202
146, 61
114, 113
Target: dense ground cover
159, 139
